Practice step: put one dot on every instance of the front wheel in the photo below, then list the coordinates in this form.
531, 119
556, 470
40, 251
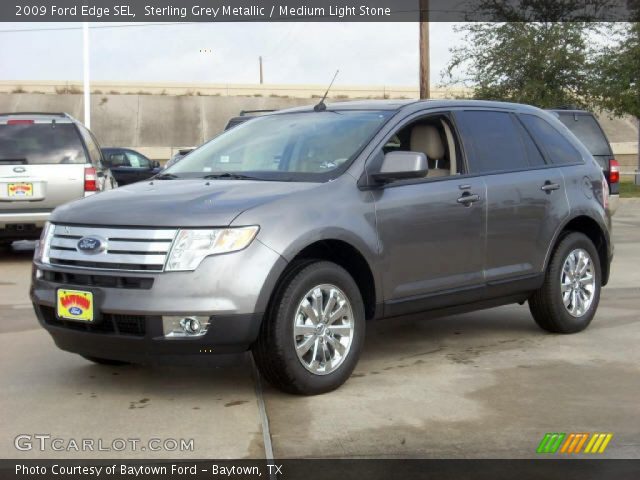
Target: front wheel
311, 338
569, 297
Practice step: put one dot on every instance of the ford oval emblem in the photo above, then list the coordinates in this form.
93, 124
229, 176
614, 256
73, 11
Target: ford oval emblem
92, 245
19, 169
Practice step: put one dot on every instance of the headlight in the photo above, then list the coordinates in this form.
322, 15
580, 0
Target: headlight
191, 246
41, 252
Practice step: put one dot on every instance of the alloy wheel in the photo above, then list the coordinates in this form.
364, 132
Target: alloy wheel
323, 329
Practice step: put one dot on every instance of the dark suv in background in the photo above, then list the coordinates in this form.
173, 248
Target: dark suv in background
129, 166
586, 127
286, 234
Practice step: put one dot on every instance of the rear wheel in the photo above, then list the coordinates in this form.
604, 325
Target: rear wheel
105, 361
569, 297
310, 341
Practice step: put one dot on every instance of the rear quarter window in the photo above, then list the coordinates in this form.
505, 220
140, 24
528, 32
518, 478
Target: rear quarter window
558, 149
40, 143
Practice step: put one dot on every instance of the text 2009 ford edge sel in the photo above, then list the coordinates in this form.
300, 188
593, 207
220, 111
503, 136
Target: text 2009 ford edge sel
285, 235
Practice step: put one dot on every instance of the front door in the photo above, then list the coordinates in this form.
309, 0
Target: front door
432, 230
432, 242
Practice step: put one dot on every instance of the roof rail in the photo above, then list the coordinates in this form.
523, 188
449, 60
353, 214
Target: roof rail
244, 112
56, 114
566, 107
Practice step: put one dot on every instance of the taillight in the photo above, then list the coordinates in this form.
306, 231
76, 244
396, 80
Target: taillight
90, 184
19, 122
614, 171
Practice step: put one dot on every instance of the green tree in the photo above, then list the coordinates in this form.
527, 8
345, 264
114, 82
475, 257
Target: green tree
545, 64
616, 85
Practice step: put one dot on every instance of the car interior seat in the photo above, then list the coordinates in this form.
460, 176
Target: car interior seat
427, 139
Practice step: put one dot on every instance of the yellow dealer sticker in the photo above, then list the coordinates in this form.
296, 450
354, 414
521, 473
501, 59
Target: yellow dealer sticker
75, 305
20, 189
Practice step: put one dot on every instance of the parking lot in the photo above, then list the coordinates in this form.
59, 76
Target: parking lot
481, 385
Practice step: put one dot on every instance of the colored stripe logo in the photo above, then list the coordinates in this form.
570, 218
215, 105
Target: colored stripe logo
573, 443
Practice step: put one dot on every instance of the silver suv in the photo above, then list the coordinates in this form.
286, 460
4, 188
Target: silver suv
285, 235
46, 160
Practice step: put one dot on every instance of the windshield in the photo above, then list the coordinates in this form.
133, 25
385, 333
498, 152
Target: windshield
311, 146
40, 143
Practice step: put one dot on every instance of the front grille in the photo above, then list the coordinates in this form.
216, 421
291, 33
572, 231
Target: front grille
132, 325
106, 281
126, 249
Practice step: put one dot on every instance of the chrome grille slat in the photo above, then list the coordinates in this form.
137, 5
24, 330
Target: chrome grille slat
161, 246
140, 259
127, 249
117, 233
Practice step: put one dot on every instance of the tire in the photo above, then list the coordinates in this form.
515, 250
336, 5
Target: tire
334, 345
105, 361
547, 304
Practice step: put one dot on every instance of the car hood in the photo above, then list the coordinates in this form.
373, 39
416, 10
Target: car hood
175, 203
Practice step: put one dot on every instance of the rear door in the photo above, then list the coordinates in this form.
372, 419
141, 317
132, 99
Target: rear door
41, 164
525, 196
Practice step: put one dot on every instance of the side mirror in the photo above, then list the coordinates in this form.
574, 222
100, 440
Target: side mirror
155, 164
401, 166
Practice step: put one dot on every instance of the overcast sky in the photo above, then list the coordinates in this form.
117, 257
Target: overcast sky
365, 53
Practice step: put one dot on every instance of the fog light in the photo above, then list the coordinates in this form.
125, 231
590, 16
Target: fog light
192, 326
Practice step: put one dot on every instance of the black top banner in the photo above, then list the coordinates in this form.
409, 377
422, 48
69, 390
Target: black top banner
319, 10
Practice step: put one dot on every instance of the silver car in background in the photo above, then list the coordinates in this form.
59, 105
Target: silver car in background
46, 160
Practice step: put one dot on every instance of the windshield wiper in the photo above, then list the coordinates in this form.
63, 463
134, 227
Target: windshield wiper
165, 176
230, 176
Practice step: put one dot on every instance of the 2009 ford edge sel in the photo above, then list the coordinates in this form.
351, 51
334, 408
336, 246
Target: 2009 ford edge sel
286, 234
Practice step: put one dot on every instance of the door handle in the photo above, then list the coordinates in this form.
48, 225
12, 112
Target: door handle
549, 187
468, 199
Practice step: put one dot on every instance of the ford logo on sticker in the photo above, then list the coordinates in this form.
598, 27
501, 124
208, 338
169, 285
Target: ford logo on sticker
92, 245
75, 311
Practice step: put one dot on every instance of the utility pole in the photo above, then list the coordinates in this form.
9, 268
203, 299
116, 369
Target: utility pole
425, 84
261, 77
85, 68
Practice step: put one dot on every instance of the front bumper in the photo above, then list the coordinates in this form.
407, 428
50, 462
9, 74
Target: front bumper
227, 338
232, 289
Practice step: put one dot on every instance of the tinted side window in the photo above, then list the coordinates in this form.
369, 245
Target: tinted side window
558, 149
492, 140
138, 161
118, 160
534, 155
92, 146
